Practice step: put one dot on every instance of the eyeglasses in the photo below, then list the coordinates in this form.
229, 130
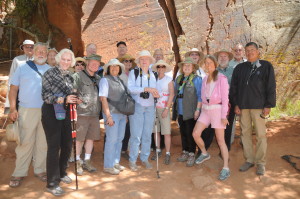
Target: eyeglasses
160, 66
238, 50
264, 117
128, 61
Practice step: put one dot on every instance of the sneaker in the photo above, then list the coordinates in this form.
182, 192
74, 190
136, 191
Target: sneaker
112, 171
167, 159
79, 167
119, 167
224, 174
125, 155
246, 166
202, 158
260, 170
198, 154
87, 165
56, 191
183, 157
154, 155
147, 164
71, 159
66, 179
191, 160
133, 166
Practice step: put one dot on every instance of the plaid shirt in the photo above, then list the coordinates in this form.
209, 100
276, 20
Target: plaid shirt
56, 84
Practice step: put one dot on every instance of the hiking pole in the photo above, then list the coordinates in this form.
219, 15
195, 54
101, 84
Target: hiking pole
157, 170
73, 114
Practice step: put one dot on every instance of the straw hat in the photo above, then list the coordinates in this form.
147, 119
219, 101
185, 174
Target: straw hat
196, 50
127, 57
145, 53
26, 42
161, 62
188, 60
114, 62
224, 51
80, 59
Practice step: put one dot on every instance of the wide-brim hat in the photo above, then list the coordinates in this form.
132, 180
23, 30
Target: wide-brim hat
144, 53
26, 42
188, 60
114, 62
161, 62
127, 57
80, 59
224, 51
196, 50
94, 57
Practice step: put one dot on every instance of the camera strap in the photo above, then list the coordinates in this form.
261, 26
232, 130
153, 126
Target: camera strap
141, 74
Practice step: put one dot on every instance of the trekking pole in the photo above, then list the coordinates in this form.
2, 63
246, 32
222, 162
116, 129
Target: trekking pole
73, 114
157, 170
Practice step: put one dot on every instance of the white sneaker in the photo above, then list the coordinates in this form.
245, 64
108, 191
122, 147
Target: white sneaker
112, 171
133, 166
119, 167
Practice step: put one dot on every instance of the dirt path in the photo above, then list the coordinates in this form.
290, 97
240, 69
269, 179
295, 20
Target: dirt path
177, 181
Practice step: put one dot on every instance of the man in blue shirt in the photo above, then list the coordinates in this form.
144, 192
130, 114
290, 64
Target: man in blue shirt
27, 80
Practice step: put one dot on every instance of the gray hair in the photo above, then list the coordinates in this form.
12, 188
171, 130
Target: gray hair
63, 51
40, 44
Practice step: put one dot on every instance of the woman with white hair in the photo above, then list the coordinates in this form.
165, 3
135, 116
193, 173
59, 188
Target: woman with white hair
57, 88
112, 89
142, 85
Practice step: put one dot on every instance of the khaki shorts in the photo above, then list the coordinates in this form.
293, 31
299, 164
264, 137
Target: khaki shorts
88, 128
163, 124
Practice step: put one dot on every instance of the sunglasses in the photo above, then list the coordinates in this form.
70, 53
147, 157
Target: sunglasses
264, 117
128, 61
160, 66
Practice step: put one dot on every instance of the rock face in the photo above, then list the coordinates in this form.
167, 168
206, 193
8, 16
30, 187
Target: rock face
141, 24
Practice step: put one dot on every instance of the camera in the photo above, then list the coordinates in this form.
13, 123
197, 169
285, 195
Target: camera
144, 95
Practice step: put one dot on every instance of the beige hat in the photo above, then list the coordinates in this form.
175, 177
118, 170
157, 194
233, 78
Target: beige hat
80, 59
161, 62
127, 57
224, 51
145, 53
195, 50
26, 42
114, 62
188, 60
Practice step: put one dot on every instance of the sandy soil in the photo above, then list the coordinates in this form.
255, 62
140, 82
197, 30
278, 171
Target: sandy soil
177, 181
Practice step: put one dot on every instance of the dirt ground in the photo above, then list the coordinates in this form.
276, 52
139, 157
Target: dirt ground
176, 180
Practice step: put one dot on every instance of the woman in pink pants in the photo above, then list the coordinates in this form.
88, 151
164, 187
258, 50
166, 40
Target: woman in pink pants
214, 94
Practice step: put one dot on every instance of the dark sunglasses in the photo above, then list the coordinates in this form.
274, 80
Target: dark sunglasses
160, 66
264, 117
80, 63
128, 61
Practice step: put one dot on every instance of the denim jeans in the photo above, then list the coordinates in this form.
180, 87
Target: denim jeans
114, 136
141, 125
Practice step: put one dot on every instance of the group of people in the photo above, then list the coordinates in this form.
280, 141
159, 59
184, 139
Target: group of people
206, 95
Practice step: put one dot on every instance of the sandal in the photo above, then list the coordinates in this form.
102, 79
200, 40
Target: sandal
15, 181
41, 176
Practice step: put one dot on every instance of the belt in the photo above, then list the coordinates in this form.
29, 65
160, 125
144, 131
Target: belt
211, 106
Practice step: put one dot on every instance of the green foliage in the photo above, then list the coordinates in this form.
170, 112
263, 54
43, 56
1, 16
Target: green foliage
25, 8
291, 109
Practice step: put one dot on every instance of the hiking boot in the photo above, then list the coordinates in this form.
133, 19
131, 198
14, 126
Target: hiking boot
79, 167
224, 174
112, 171
147, 164
260, 170
183, 157
87, 165
56, 191
191, 160
167, 159
246, 166
119, 167
66, 179
133, 166
154, 155
202, 158
125, 155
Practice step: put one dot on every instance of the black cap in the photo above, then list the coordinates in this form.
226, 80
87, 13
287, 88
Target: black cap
121, 42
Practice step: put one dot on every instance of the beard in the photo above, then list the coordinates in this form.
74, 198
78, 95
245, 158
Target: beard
40, 61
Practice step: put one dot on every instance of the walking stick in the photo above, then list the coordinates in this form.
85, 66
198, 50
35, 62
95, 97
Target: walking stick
157, 170
73, 114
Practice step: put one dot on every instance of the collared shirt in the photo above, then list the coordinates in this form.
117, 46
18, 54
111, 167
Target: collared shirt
134, 85
233, 63
227, 72
30, 85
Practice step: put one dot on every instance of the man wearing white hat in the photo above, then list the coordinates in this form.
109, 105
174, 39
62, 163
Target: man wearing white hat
27, 47
143, 90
